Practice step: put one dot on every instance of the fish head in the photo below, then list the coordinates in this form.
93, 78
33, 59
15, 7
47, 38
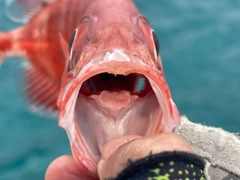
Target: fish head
113, 86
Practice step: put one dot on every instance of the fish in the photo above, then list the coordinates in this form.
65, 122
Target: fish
97, 64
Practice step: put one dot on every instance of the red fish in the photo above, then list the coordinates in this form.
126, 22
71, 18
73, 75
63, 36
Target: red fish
107, 82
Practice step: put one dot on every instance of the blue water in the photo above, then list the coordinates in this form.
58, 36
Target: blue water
200, 48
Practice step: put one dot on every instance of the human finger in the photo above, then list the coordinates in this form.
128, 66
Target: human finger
110, 166
66, 168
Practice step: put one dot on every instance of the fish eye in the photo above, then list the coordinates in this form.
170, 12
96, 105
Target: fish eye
156, 42
71, 41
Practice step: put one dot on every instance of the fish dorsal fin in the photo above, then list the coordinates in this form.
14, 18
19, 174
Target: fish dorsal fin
22, 10
39, 92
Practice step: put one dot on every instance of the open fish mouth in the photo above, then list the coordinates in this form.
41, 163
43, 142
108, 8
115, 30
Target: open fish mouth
113, 99
114, 106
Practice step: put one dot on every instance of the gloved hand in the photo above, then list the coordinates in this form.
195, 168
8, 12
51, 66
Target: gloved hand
115, 159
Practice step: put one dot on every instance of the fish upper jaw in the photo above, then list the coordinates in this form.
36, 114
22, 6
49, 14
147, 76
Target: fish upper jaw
97, 107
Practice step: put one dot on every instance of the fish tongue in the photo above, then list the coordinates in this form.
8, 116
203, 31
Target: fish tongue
114, 103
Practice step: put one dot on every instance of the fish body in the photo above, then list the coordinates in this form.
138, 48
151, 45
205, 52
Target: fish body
98, 62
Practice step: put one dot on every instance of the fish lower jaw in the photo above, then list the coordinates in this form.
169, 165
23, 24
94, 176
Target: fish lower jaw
124, 116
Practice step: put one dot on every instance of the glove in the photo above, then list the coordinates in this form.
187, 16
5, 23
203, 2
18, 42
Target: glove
219, 149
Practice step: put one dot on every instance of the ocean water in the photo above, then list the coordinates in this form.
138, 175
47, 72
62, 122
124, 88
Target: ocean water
200, 49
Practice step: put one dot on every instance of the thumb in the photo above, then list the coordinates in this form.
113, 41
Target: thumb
114, 160
66, 168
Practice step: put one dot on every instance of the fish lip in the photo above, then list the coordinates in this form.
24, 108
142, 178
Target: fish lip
115, 67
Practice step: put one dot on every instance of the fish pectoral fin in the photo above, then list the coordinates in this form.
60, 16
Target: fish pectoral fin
22, 10
39, 92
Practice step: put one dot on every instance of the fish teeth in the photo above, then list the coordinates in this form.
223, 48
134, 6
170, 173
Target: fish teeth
116, 55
